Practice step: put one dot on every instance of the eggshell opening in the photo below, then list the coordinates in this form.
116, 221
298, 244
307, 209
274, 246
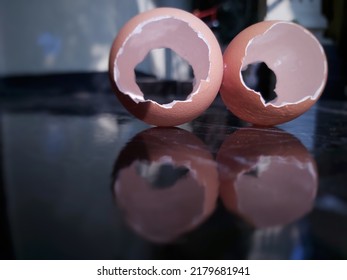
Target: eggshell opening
296, 58
158, 33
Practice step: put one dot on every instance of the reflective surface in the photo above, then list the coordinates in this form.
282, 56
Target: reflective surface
82, 179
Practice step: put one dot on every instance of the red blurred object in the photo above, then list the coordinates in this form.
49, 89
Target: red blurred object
208, 14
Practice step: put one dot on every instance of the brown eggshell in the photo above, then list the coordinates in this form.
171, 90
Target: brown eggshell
266, 176
163, 214
190, 38
292, 53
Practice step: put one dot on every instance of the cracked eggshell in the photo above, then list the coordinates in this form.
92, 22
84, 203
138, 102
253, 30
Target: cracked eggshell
190, 38
296, 58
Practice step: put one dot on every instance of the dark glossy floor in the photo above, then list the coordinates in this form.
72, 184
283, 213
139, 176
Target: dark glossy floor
81, 179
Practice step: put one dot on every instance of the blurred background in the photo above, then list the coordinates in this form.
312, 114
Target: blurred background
63, 37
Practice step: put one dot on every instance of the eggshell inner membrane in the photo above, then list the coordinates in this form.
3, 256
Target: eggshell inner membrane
296, 58
161, 33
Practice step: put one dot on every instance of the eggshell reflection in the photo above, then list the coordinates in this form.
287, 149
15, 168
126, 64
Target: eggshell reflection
267, 176
186, 35
166, 182
297, 60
